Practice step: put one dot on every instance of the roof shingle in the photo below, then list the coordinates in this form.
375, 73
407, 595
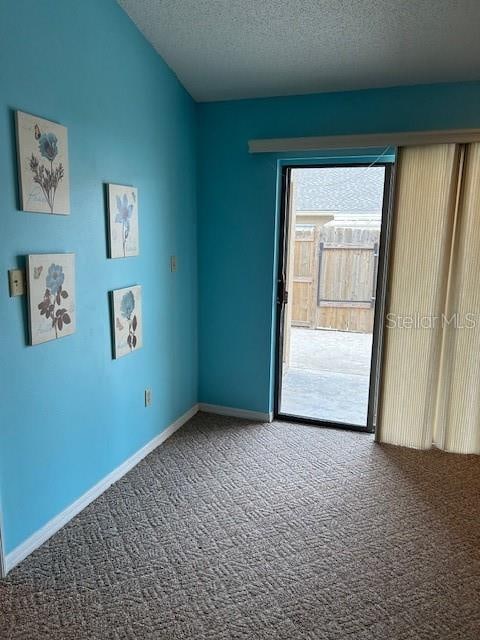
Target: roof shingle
339, 189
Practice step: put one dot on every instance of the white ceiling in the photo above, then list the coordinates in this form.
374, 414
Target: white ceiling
228, 49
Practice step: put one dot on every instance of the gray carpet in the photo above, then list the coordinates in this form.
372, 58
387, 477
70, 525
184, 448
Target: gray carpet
239, 530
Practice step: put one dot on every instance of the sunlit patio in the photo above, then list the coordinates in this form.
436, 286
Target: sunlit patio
328, 375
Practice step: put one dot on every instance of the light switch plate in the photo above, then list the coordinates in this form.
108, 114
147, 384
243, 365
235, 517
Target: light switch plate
173, 263
16, 281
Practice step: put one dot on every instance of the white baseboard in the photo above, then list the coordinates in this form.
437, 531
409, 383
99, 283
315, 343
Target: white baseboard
258, 416
3, 567
56, 523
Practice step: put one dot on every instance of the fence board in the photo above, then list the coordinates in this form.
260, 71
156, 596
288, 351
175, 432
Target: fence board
334, 276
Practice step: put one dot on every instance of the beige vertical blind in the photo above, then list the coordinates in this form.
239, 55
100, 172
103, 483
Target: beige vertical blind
458, 419
431, 373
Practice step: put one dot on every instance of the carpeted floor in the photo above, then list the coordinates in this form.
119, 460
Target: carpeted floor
247, 531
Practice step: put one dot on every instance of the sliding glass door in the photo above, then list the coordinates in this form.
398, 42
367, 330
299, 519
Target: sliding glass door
331, 292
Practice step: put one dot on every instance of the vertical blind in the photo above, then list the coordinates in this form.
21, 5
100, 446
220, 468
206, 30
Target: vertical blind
430, 391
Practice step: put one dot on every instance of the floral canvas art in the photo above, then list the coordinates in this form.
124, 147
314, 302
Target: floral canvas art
123, 220
127, 320
42, 149
51, 296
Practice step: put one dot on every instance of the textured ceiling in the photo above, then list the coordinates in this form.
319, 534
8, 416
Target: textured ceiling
227, 49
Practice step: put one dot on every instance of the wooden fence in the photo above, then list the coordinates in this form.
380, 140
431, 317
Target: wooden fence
334, 276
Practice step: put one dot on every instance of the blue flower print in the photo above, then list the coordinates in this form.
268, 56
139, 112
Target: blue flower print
51, 306
124, 210
48, 146
55, 278
47, 177
124, 216
127, 305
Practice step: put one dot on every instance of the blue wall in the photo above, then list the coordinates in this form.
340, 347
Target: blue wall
238, 198
69, 413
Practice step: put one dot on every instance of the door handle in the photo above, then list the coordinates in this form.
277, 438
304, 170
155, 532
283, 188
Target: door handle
282, 293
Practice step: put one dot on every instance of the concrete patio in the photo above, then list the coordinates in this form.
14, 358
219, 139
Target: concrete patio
328, 376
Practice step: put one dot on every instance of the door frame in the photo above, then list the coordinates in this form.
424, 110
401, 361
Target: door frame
380, 293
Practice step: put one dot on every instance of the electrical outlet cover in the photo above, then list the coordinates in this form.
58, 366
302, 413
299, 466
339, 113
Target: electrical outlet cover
16, 281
